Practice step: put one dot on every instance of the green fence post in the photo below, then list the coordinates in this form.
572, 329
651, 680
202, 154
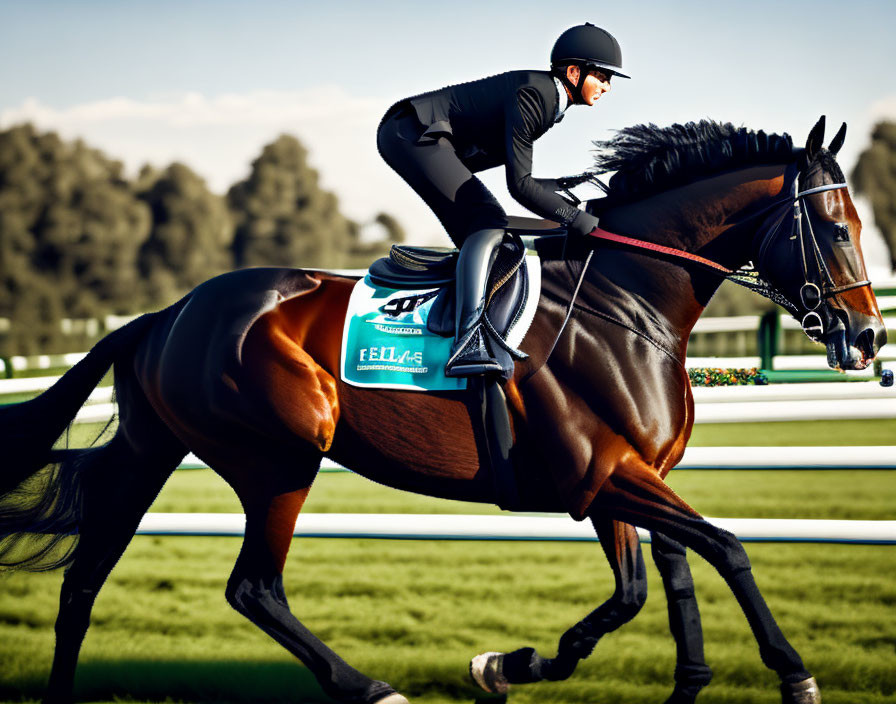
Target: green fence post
768, 338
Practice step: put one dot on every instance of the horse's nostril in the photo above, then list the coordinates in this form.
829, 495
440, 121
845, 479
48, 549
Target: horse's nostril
868, 342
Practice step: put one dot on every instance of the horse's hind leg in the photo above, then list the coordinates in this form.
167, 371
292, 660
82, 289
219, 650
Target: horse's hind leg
120, 486
255, 588
638, 496
494, 671
120, 481
691, 670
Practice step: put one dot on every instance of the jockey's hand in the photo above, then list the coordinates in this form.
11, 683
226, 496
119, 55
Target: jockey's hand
583, 224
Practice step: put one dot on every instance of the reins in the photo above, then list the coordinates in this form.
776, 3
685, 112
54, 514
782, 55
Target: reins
812, 294
602, 234
814, 288
715, 267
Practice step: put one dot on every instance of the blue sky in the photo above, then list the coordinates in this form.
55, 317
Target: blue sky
211, 82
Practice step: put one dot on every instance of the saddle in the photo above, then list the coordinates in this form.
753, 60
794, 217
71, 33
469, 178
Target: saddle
410, 268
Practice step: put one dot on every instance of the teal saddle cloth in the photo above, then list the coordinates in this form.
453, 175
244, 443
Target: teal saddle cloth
387, 342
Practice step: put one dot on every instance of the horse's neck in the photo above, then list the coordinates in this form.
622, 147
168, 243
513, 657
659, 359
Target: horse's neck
713, 217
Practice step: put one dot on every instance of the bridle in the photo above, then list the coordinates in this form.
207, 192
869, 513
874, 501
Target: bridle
818, 284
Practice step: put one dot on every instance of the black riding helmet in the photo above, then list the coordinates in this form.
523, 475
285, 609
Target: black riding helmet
587, 47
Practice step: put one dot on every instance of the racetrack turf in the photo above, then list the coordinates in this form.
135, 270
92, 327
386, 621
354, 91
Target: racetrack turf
414, 612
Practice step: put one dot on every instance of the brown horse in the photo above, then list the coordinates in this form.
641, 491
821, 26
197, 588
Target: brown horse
244, 372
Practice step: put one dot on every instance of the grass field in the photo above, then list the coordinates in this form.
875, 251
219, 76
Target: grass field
414, 612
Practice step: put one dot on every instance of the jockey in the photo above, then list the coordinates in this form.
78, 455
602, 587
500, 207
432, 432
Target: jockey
436, 141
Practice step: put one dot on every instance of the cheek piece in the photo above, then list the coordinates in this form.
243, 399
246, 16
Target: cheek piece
812, 294
818, 284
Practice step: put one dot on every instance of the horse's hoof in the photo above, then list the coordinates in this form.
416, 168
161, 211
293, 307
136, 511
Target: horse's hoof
487, 671
805, 692
394, 698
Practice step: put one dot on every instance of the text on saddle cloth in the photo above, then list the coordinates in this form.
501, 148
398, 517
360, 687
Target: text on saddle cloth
387, 342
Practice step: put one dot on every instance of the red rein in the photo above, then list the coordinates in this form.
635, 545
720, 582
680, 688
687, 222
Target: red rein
671, 251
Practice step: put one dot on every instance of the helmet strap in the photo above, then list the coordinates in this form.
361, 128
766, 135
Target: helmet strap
574, 88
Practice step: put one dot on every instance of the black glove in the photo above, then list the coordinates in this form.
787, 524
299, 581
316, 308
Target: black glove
583, 224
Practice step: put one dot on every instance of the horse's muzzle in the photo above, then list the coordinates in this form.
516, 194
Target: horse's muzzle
853, 344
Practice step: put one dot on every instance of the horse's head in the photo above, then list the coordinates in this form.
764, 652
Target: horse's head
812, 255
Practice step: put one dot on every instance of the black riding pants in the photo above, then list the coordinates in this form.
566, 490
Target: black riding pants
434, 170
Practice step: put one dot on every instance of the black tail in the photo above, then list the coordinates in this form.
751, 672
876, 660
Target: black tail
44, 507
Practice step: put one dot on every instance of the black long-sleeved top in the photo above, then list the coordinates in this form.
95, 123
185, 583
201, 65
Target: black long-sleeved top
494, 121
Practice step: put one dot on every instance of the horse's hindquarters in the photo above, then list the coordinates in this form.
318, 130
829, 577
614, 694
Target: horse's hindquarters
193, 369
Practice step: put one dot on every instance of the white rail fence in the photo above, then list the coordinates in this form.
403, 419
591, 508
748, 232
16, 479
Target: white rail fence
865, 457
562, 528
519, 527
791, 458
803, 402
723, 404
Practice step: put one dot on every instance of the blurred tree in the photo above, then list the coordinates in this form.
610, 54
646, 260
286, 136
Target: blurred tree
874, 176
732, 299
190, 237
89, 230
70, 227
78, 240
284, 218
395, 232
372, 241
34, 312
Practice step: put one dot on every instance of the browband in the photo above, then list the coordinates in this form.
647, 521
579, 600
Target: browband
819, 189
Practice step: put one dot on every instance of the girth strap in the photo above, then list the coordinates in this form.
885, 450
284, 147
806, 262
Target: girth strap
494, 423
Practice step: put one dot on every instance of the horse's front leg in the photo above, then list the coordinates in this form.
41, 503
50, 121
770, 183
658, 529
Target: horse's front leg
691, 671
495, 672
634, 493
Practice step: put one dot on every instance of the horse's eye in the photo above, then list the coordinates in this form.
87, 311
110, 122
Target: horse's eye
841, 232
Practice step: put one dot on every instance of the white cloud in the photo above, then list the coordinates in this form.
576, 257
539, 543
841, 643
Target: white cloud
193, 109
884, 109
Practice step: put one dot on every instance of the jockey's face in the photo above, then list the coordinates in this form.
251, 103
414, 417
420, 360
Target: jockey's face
596, 83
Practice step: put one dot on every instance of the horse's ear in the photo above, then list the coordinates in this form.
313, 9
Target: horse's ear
838, 140
816, 139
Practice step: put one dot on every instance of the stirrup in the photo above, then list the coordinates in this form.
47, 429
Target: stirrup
471, 356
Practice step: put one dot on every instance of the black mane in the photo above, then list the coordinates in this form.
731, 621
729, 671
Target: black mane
648, 159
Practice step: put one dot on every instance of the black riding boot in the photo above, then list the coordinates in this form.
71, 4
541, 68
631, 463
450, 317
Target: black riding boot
470, 354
